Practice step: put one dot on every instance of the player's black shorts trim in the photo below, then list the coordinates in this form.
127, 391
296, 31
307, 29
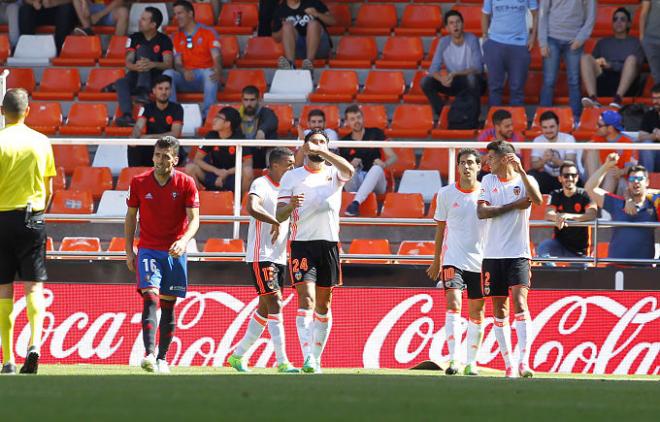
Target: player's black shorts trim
498, 275
22, 247
315, 261
268, 277
456, 278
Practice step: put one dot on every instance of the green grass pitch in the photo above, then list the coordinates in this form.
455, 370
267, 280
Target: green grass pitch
121, 393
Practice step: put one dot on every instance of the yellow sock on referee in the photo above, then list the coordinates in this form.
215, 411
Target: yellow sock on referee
7, 330
35, 313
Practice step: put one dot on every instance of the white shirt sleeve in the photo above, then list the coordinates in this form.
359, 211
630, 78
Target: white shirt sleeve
286, 188
484, 193
257, 188
440, 206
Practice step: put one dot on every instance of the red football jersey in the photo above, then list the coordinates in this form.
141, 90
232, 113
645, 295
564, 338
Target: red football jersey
163, 218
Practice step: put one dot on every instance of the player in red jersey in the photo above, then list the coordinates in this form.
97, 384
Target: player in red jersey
168, 202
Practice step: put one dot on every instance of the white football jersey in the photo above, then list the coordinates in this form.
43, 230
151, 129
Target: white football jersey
463, 242
318, 217
507, 235
259, 245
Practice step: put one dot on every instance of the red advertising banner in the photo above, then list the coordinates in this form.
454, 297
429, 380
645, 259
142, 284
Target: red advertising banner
573, 331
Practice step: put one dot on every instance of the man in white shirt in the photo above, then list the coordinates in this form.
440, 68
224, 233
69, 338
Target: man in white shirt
311, 196
266, 257
505, 197
458, 255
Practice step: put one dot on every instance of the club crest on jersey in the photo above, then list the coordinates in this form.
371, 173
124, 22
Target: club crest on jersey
448, 284
148, 196
174, 194
516, 190
298, 276
486, 290
271, 285
329, 179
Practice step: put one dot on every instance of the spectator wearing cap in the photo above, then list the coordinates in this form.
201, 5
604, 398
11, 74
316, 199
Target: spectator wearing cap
214, 167
649, 34
650, 132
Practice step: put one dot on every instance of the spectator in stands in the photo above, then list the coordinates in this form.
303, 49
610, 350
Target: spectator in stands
546, 164
613, 66
460, 53
650, 132
502, 129
564, 26
507, 46
609, 130
315, 120
369, 167
9, 15
103, 12
149, 53
155, 120
626, 242
197, 58
301, 27
257, 122
649, 34
35, 13
568, 203
266, 14
214, 167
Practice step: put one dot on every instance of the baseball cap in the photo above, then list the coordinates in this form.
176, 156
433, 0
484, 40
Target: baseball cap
612, 118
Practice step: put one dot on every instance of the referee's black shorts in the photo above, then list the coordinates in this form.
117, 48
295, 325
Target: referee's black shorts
22, 247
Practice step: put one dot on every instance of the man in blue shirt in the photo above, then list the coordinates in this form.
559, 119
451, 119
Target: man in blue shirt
627, 242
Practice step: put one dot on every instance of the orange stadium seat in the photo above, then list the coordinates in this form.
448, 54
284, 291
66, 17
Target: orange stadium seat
401, 53
21, 78
237, 79
370, 247
355, 52
411, 121
336, 86
4, 47
426, 61
443, 131
403, 205
374, 19
72, 202
565, 120
471, 18
59, 181
49, 244
406, 160
80, 244
79, 51
92, 179
538, 211
126, 175
216, 203
383, 87
435, 159
432, 205
98, 79
602, 249
343, 19
284, 114
86, 119
374, 116
58, 84
518, 114
368, 208
536, 62
112, 130
421, 20
654, 180
588, 123
228, 20
331, 115
115, 55
533, 87
118, 244
261, 52
229, 50
44, 117
646, 91
603, 24
416, 248
71, 156
210, 115
217, 245
415, 94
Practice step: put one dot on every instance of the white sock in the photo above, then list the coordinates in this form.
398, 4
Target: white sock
276, 330
304, 326
475, 334
320, 332
255, 329
503, 336
452, 325
520, 324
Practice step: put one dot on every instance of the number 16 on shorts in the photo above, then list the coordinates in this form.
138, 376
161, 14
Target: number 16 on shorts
159, 270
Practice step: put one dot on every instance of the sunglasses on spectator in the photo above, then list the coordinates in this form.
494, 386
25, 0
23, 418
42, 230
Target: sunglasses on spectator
620, 19
633, 179
189, 42
569, 175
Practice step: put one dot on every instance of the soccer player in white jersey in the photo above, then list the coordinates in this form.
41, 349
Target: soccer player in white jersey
457, 258
266, 257
314, 265
504, 200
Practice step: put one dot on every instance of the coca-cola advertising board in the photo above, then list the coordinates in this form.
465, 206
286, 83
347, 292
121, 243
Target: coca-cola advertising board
602, 332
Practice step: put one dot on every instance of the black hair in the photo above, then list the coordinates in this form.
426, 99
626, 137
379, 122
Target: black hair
168, 141
316, 112
549, 115
15, 102
156, 15
313, 132
468, 151
278, 154
566, 164
353, 108
500, 115
656, 88
233, 117
624, 11
501, 147
251, 89
160, 79
637, 168
186, 5
451, 13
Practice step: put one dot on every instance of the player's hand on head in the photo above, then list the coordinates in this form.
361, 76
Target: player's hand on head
513, 159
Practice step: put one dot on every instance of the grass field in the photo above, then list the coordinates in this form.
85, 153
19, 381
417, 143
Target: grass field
121, 393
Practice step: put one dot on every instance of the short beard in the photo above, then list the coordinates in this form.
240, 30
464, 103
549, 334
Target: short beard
315, 158
249, 111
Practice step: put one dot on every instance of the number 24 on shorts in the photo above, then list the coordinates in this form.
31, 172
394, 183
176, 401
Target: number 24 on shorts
299, 265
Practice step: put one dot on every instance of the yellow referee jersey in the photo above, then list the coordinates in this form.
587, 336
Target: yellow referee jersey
26, 160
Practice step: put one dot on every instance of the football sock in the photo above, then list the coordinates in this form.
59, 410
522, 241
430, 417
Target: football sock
255, 329
276, 331
35, 313
521, 323
166, 327
503, 336
149, 310
475, 334
452, 325
7, 330
304, 325
320, 332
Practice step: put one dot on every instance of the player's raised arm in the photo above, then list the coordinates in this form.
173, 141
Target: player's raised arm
345, 168
596, 193
531, 187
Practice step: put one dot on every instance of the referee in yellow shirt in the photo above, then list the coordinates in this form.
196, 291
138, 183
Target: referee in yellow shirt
27, 167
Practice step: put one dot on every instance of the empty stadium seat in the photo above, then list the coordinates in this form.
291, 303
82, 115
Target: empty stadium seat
355, 52
115, 55
113, 203
261, 52
117, 131
565, 120
92, 179
369, 247
336, 86
44, 117
228, 20
426, 182
217, 245
342, 14
85, 119
98, 79
118, 244
126, 174
411, 121
79, 51
284, 114
5, 48
237, 79
416, 248
58, 84
229, 49
21, 78
405, 160
435, 159
538, 211
401, 53
80, 244
420, 20
403, 205
59, 181
374, 19
192, 119
426, 61
216, 203
368, 208
290, 86
71, 156
136, 11
383, 87
331, 115
415, 95
654, 180
33, 50
72, 202
115, 157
